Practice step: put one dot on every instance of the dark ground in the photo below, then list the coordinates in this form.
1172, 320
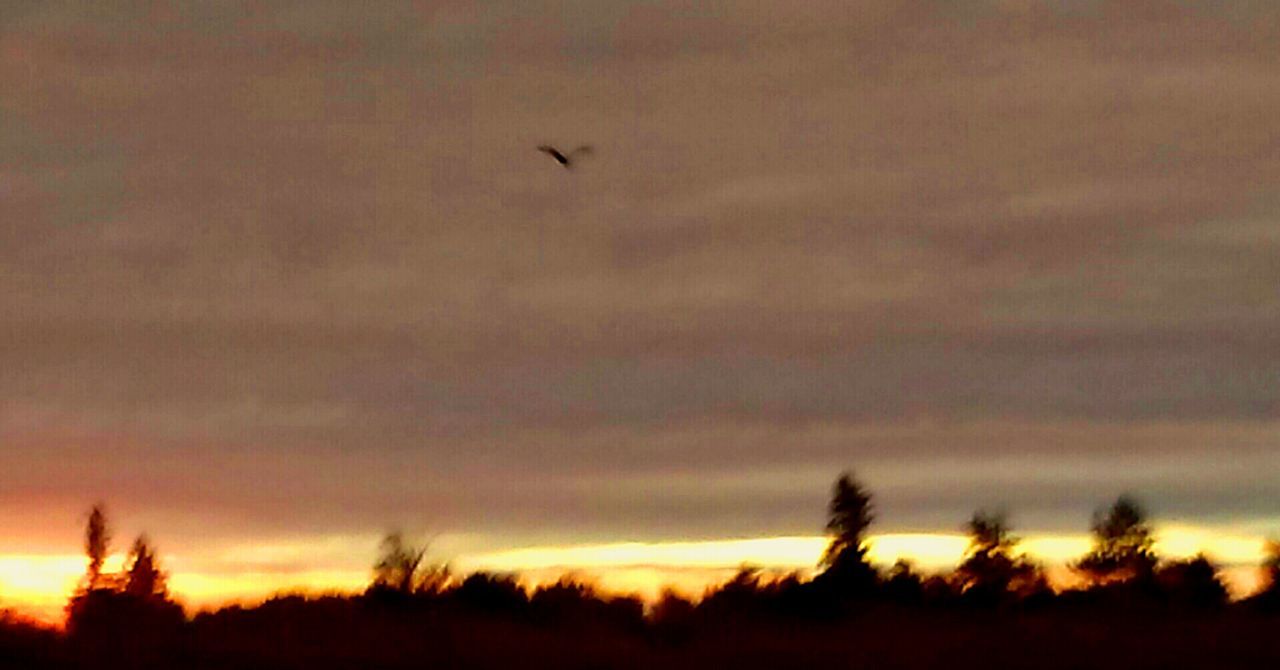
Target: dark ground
342, 633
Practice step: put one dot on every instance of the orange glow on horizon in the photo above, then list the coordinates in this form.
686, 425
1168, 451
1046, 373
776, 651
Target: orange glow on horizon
38, 585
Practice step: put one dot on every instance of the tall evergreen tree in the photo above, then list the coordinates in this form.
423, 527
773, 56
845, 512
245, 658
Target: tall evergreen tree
97, 539
850, 514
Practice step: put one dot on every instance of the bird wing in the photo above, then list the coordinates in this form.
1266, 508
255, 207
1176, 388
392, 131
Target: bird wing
555, 153
582, 150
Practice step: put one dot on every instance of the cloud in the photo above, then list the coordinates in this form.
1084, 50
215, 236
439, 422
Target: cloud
264, 254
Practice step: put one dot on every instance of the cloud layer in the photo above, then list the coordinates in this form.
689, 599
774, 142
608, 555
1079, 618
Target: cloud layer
280, 269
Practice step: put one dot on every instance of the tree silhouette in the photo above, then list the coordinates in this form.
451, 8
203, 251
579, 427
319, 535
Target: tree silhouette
400, 567
990, 571
1122, 545
97, 539
143, 576
122, 620
850, 514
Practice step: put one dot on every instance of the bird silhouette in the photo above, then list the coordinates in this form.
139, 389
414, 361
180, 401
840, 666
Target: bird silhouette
565, 159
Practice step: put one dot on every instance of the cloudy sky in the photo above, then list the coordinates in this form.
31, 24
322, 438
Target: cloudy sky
288, 274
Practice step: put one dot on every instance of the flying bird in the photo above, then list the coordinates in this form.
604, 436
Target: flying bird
565, 159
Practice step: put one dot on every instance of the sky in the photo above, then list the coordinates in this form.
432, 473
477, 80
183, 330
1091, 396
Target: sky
282, 276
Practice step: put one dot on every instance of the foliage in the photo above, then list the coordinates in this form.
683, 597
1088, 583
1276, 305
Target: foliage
143, 579
415, 615
97, 540
1122, 545
126, 619
990, 573
400, 569
397, 567
847, 572
850, 514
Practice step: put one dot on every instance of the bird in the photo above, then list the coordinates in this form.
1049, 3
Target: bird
565, 159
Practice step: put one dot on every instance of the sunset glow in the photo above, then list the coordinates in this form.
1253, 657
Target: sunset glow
426, 305
39, 585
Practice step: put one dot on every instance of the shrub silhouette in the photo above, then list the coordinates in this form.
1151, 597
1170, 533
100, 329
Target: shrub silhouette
904, 585
490, 593
673, 618
1192, 583
570, 601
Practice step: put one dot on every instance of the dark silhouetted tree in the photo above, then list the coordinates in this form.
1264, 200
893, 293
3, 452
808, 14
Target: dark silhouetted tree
990, 572
398, 563
97, 541
143, 578
1122, 545
989, 534
850, 514
122, 620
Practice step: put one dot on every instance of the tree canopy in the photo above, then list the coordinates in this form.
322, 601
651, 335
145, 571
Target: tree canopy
850, 514
1122, 544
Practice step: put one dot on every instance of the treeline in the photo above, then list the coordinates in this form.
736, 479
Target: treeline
416, 613
1121, 568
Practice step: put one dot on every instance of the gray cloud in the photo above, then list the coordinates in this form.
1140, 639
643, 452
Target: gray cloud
303, 258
